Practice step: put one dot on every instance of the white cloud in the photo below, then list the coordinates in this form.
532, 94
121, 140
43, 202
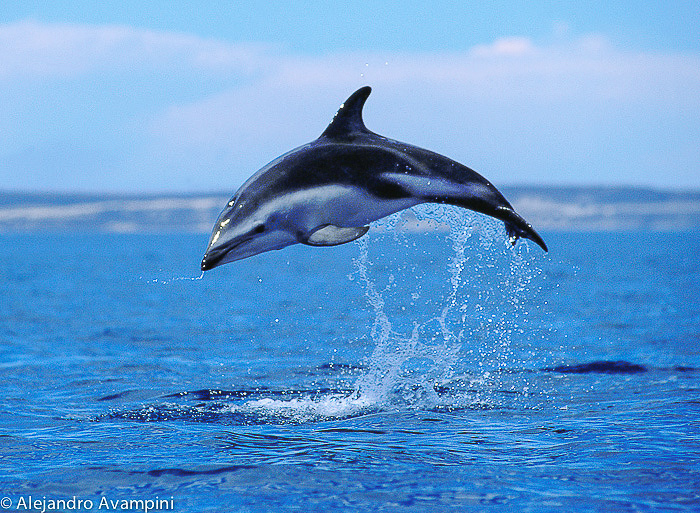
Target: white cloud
583, 75
585, 66
512, 46
526, 109
31, 49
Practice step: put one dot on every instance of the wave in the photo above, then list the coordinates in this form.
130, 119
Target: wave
599, 367
268, 406
297, 406
614, 367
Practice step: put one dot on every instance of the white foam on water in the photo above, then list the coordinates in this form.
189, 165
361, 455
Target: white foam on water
306, 409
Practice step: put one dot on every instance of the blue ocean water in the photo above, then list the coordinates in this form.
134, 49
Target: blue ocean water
405, 372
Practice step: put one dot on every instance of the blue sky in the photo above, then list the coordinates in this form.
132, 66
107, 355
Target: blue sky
196, 96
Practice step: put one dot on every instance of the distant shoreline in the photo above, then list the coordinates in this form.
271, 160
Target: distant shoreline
570, 208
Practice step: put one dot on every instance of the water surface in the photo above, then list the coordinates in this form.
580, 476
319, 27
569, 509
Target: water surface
406, 372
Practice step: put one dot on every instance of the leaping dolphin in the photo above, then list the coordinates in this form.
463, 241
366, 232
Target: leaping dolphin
328, 191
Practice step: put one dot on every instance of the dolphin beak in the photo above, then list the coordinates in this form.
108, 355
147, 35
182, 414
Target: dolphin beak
212, 258
220, 253
222, 250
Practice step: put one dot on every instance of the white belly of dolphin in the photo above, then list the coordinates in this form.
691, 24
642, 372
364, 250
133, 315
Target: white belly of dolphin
339, 205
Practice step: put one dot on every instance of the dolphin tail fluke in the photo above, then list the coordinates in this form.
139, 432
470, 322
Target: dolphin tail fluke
517, 227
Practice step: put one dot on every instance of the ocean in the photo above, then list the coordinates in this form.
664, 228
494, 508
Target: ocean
413, 370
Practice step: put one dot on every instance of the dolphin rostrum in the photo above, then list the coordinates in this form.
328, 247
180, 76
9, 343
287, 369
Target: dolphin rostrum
328, 191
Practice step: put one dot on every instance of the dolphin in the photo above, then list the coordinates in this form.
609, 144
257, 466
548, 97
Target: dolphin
328, 191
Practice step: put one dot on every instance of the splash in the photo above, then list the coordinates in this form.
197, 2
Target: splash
443, 328
306, 409
168, 281
453, 357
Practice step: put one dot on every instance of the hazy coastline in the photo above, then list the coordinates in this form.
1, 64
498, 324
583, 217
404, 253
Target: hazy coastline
546, 207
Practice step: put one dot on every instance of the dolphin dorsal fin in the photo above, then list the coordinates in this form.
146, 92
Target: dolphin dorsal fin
348, 119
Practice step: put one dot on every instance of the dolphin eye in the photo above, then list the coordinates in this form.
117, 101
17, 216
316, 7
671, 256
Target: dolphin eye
259, 229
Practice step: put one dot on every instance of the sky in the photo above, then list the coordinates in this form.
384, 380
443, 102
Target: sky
191, 97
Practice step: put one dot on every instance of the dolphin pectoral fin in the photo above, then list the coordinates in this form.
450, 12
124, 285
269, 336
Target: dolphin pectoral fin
331, 235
